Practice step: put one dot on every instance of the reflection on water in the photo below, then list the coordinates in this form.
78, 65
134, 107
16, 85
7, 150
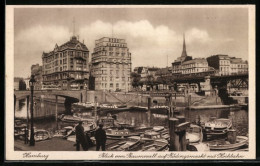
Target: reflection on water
137, 118
42, 109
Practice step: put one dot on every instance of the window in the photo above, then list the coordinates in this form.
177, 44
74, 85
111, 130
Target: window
117, 85
111, 85
111, 78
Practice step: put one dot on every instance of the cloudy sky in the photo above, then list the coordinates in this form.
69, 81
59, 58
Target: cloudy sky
151, 33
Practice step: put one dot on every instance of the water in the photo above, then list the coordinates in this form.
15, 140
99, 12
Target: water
46, 110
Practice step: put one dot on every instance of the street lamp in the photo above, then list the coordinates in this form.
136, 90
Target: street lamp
32, 83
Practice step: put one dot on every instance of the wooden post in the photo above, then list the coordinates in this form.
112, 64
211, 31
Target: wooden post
232, 136
149, 111
174, 138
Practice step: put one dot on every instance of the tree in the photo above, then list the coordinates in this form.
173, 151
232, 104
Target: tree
150, 80
135, 79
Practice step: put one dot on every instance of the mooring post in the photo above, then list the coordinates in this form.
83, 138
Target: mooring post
232, 136
174, 138
56, 111
149, 111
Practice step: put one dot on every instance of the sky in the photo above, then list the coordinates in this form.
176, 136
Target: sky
152, 34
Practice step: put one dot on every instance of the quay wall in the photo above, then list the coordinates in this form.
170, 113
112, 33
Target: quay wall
141, 99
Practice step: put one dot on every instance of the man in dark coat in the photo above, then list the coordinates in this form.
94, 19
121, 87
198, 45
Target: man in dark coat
101, 138
80, 137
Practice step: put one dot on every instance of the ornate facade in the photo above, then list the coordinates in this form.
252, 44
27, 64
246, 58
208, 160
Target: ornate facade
67, 66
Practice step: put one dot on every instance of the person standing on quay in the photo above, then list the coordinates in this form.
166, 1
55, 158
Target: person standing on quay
80, 137
101, 138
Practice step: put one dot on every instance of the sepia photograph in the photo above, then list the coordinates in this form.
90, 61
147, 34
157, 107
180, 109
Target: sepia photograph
130, 82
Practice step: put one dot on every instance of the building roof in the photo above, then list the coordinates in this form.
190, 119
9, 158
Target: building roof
71, 44
220, 56
196, 60
235, 60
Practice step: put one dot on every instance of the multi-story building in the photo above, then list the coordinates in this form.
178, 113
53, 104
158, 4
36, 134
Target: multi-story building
196, 65
36, 70
238, 66
111, 64
67, 65
220, 63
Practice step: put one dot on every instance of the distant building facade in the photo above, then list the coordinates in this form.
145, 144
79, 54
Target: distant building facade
111, 64
221, 63
36, 70
67, 66
238, 66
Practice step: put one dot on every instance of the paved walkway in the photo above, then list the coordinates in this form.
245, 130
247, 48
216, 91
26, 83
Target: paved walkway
53, 144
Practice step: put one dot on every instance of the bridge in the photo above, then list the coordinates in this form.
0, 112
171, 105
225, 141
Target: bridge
235, 81
75, 95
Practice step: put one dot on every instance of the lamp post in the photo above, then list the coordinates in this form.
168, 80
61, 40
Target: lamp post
32, 83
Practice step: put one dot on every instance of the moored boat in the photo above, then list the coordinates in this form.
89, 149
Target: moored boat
128, 144
194, 134
153, 141
219, 145
115, 133
217, 126
40, 135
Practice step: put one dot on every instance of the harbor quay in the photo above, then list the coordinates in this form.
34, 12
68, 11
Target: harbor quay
140, 109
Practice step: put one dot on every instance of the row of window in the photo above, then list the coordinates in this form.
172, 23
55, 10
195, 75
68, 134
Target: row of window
64, 55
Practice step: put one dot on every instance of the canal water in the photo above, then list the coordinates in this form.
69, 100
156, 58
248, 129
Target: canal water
46, 110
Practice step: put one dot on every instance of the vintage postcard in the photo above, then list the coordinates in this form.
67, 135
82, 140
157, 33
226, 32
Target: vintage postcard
126, 82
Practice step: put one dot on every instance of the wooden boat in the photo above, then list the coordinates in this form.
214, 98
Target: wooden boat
64, 132
217, 126
158, 128
155, 146
115, 133
123, 126
75, 118
194, 134
219, 145
153, 141
129, 144
40, 135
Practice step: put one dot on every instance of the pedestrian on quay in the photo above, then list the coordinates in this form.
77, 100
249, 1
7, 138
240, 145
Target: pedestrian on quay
101, 138
80, 137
